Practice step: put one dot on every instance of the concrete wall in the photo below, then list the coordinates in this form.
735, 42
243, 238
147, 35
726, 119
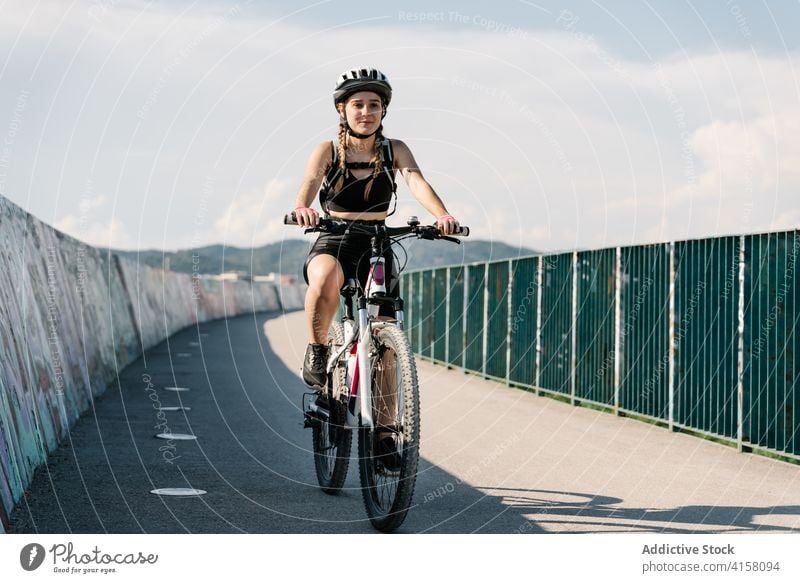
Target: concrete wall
71, 316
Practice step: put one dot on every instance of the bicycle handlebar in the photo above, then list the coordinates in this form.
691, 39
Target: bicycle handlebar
339, 226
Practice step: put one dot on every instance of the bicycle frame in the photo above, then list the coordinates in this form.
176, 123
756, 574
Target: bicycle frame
358, 333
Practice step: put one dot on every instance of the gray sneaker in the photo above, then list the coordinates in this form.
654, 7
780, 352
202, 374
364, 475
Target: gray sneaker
314, 365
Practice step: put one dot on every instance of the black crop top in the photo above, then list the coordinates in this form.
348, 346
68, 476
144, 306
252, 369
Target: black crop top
351, 197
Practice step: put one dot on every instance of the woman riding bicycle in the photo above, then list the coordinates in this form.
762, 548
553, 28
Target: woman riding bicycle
355, 181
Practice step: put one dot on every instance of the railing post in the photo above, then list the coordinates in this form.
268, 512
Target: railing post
485, 315
672, 338
409, 307
410, 311
420, 316
573, 365
538, 362
740, 363
617, 326
464, 309
509, 320
447, 318
432, 287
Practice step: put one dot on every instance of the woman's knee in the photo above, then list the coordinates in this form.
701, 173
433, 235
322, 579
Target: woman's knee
325, 276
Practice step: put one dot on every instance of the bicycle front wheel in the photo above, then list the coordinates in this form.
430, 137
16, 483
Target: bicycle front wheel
389, 453
330, 436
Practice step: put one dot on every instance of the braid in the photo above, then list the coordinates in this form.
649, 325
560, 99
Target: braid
342, 150
377, 161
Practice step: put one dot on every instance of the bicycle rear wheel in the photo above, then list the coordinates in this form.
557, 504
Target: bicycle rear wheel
389, 454
331, 438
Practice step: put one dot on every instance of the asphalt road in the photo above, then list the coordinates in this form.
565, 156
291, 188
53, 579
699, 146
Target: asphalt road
494, 459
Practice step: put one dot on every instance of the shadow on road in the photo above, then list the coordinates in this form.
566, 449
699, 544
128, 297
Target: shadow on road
592, 513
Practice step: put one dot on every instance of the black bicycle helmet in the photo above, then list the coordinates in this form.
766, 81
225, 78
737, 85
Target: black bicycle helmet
356, 80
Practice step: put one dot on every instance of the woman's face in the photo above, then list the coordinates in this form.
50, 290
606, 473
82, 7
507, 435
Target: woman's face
364, 112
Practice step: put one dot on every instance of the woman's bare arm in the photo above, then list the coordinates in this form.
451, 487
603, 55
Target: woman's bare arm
316, 168
404, 161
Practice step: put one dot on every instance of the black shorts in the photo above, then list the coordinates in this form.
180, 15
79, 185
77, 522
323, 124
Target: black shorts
353, 253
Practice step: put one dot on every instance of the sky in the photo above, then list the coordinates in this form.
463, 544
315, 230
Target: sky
549, 125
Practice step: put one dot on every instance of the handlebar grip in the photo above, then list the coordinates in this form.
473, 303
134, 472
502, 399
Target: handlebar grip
462, 232
290, 219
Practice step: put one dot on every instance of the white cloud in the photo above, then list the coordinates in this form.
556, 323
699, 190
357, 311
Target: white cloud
113, 233
786, 220
90, 203
87, 227
253, 218
747, 177
541, 141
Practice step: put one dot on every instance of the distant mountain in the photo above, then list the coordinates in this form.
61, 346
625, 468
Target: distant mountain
425, 254
284, 257
287, 257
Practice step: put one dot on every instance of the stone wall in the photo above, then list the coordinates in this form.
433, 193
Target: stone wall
71, 317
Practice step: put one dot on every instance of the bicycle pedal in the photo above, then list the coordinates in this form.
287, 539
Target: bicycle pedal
315, 409
310, 420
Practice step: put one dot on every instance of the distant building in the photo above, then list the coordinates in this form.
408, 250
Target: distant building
277, 278
236, 275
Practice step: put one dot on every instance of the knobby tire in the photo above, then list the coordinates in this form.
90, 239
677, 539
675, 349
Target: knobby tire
388, 476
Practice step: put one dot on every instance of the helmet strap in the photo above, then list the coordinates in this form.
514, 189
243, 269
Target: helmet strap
361, 136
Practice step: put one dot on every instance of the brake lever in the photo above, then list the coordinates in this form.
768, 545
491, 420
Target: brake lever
432, 233
428, 232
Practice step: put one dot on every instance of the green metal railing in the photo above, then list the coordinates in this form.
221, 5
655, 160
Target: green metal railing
701, 335
524, 319
643, 330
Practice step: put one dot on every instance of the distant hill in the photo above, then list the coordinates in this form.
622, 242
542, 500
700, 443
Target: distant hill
288, 256
426, 254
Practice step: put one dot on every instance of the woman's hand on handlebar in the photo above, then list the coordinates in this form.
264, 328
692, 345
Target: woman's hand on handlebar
306, 217
447, 224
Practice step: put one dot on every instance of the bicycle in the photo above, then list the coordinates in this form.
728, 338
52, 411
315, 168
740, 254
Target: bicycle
372, 385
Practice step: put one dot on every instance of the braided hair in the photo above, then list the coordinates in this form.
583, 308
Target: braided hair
377, 161
341, 148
